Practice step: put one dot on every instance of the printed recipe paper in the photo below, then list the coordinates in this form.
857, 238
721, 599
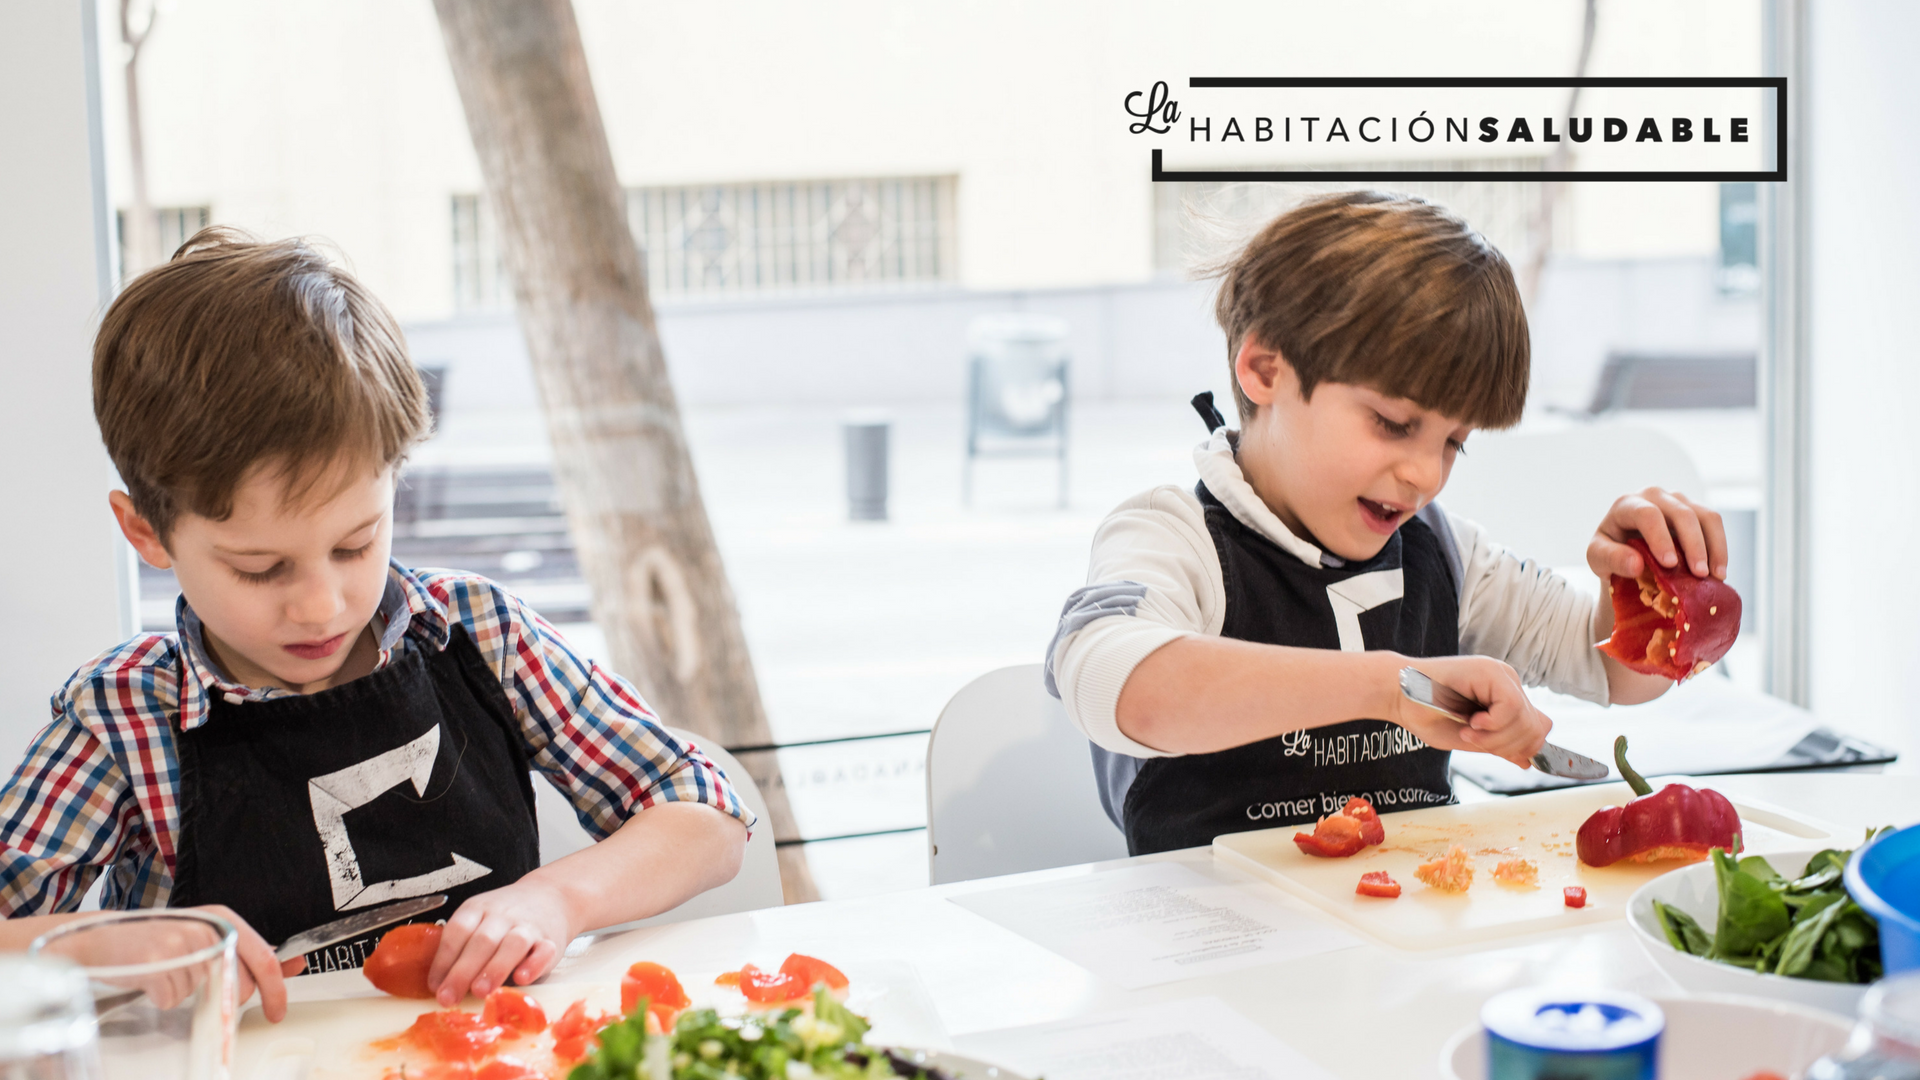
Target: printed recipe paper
1157, 922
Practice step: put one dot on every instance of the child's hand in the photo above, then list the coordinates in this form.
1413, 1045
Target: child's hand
1661, 518
1511, 728
258, 966
516, 931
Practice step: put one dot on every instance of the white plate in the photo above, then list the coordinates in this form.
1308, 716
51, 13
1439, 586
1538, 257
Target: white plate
963, 1068
1692, 890
1717, 1037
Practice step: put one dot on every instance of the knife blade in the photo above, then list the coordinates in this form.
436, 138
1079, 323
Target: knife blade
1553, 760
354, 925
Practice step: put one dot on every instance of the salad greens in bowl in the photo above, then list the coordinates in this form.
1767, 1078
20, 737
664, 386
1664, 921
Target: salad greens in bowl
1779, 926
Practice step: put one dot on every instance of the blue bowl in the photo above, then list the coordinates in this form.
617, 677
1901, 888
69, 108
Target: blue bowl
1884, 878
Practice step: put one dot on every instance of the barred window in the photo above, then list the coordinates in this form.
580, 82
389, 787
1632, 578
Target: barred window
706, 239
173, 225
1198, 222
480, 281
808, 234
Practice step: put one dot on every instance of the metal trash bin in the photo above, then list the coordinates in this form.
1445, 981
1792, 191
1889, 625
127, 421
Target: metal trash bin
866, 440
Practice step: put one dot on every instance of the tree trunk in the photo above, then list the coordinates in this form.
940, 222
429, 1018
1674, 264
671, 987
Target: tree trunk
142, 224
619, 452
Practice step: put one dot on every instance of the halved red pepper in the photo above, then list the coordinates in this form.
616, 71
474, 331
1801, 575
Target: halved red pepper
1337, 836
1679, 822
1668, 622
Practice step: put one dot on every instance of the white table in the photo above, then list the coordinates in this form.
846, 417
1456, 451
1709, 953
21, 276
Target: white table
1368, 1011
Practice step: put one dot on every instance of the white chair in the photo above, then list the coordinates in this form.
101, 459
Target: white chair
1541, 495
1010, 783
756, 886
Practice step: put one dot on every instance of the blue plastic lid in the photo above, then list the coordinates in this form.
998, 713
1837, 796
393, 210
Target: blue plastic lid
1573, 1019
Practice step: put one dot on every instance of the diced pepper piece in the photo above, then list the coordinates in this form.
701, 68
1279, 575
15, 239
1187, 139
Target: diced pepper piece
1576, 896
1378, 883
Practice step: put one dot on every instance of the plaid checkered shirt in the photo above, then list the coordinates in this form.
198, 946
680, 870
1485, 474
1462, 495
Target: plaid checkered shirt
100, 786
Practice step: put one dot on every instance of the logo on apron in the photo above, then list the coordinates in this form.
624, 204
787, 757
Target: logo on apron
355, 786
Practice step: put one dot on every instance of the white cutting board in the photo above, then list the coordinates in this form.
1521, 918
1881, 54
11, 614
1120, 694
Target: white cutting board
1539, 827
331, 1038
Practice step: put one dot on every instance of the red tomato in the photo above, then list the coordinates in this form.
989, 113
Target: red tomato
1576, 896
660, 1019
514, 1011
453, 1035
506, 1068
1378, 883
657, 984
398, 965
573, 1032
813, 972
764, 987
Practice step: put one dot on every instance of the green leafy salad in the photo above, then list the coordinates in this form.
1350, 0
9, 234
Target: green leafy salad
786, 1044
1806, 927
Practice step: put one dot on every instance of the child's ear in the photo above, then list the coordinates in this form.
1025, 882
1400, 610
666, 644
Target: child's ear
1263, 374
139, 531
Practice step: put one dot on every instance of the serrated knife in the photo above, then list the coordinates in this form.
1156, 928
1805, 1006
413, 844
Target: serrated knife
1441, 698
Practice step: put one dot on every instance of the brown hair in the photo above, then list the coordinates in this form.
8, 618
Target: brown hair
240, 353
1387, 291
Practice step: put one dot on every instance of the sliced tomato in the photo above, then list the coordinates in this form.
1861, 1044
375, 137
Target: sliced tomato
1378, 883
1576, 896
812, 972
506, 1068
398, 965
573, 1033
515, 1011
657, 984
660, 1019
453, 1035
765, 987
1335, 837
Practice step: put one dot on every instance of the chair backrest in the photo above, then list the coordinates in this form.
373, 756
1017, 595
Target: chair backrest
1010, 783
1019, 373
756, 886
1542, 495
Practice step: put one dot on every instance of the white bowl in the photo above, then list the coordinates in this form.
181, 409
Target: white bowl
1692, 890
1717, 1037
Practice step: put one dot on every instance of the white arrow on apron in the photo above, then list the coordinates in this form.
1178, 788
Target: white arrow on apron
337, 792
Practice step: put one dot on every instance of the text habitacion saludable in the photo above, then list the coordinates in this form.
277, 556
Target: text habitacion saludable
1487, 129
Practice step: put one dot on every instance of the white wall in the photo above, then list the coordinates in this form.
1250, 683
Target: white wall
59, 588
1864, 93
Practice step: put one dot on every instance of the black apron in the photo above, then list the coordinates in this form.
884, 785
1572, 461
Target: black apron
1276, 599
408, 781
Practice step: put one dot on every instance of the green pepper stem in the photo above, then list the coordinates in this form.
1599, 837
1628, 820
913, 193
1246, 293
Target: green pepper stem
1634, 780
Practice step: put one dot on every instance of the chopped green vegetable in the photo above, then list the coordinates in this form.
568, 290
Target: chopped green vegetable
1806, 928
827, 1043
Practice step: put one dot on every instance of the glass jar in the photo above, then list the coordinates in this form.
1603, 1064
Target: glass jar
1886, 1043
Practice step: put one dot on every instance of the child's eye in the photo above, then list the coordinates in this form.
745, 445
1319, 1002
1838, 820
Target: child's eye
346, 555
1459, 445
260, 578
1398, 431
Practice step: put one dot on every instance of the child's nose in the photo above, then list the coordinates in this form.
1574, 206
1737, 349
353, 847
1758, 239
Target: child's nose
1424, 472
315, 602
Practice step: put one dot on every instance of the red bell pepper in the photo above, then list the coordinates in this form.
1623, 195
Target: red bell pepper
1668, 622
1378, 883
1337, 836
1575, 895
1677, 823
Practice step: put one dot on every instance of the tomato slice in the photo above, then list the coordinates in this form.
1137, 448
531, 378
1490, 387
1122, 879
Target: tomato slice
765, 987
1576, 896
515, 1011
453, 1035
1378, 883
506, 1068
398, 965
657, 984
573, 1034
813, 972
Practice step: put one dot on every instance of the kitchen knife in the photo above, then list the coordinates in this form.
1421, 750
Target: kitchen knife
108, 997
353, 926
1441, 698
